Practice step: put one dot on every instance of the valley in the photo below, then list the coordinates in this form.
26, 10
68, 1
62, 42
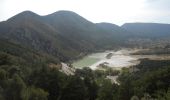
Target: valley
63, 56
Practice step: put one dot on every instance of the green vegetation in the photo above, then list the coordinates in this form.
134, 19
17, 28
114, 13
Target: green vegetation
150, 82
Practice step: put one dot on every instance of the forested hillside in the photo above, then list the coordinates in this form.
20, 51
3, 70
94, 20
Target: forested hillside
63, 34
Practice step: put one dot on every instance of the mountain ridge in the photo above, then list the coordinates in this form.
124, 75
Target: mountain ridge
67, 35
148, 29
62, 34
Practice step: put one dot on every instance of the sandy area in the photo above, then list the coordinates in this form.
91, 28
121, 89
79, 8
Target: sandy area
120, 58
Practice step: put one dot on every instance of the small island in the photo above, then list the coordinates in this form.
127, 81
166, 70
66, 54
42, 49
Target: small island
108, 56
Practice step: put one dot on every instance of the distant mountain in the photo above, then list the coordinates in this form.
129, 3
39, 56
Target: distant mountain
154, 30
115, 30
74, 28
64, 34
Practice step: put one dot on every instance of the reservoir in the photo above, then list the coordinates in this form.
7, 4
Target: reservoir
116, 59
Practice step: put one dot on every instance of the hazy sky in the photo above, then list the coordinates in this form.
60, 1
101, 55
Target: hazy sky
113, 11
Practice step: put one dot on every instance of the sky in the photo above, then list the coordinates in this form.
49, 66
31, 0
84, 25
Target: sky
112, 11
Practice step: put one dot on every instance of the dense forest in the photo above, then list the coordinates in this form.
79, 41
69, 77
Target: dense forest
25, 75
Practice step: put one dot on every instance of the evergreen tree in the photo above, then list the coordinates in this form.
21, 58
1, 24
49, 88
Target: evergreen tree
74, 90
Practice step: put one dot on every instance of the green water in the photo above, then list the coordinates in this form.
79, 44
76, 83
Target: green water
86, 61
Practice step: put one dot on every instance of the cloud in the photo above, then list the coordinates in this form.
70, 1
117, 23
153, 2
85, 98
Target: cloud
149, 1
158, 4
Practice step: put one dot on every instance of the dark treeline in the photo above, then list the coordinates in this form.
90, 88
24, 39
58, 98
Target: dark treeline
150, 80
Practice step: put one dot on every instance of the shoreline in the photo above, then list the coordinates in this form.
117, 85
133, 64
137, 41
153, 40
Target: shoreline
123, 57
101, 56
